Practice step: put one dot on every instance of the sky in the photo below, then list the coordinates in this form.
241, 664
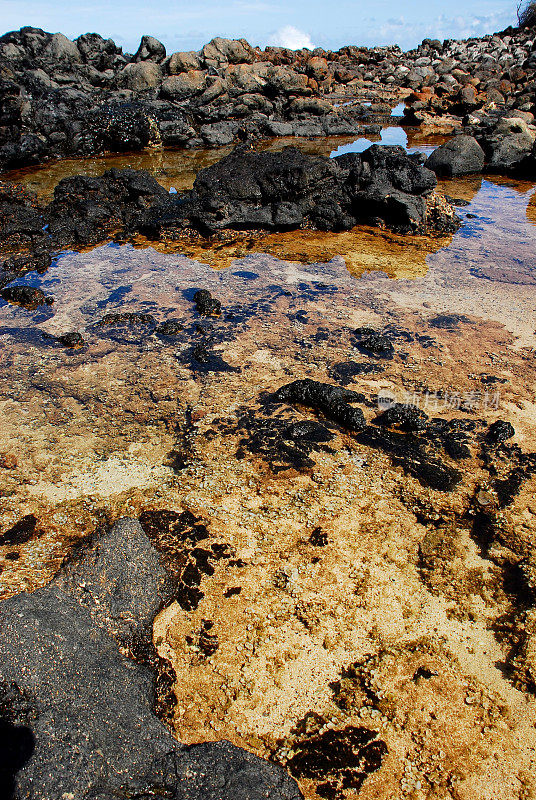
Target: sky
184, 25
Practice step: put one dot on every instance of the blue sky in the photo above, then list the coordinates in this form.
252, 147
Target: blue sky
187, 26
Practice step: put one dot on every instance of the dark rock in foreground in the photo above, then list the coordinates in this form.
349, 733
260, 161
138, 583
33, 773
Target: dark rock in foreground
333, 401
282, 191
76, 708
245, 190
414, 447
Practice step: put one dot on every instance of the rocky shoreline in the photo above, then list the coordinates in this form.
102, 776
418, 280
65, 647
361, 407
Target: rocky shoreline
62, 98
246, 191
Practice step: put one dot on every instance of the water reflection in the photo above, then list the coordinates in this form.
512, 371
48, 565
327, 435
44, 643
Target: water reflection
392, 135
177, 169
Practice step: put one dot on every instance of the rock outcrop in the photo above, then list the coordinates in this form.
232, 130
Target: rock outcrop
77, 691
279, 191
246, 190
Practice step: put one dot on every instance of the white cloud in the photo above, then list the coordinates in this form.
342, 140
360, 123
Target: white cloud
291, 37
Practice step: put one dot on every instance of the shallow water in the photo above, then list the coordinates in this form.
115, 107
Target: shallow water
136, 421
392, 135
176, 169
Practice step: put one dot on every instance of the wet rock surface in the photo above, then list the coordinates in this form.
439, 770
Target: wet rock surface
247, 190
331, 588
91, 730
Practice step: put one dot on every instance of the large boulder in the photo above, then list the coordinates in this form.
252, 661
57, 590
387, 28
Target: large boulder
462, 155
77, 690
248, 78
117, 128
220, 51
249, 189
510, 144
140, 76
183, 62
100, 53
60, 48
185, 85
285, 80
150, 48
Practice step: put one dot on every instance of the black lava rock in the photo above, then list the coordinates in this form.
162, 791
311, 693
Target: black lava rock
26, 296
206, 305
72, 340
372, 342
500, 431
332, 401
78, 708
286, 190
403, 417
171, 327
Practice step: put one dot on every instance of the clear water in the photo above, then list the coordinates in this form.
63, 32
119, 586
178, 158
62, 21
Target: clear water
96, 433
392, 135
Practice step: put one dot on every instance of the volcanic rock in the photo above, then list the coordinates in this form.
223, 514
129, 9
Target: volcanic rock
77, 690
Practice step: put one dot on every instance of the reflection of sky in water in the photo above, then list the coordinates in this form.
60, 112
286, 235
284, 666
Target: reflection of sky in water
398, 111
389, 136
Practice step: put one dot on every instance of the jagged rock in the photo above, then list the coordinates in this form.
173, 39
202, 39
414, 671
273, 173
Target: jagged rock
248, 77
286, 80
150, 48
250, 189
122, 127
20, 220
462, 155
333, 401
227, 51
77, 690
60, 48
87, 209
94, 49
183, 62
500, 431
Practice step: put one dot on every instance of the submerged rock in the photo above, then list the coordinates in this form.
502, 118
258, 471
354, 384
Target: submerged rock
72, 340
206, 305
80, 706
26, 296
332, 401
